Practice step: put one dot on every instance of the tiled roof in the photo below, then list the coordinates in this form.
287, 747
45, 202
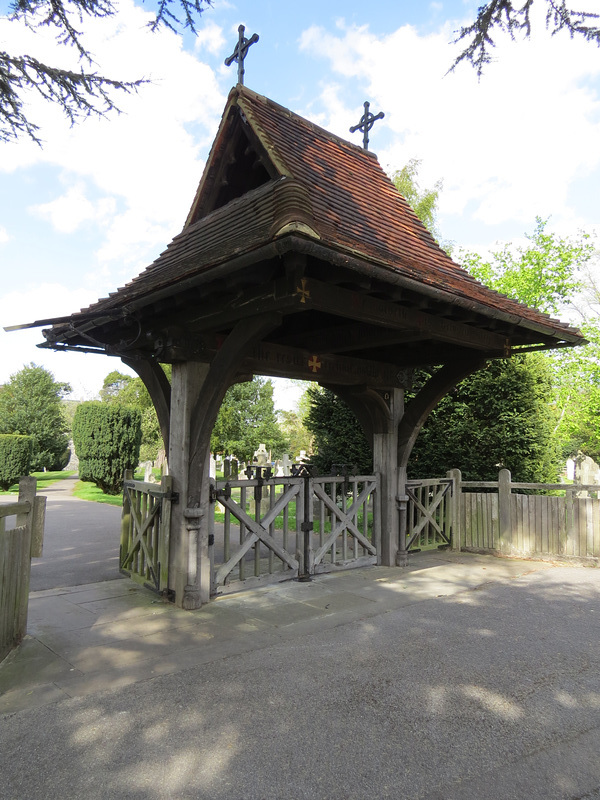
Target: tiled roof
329, 191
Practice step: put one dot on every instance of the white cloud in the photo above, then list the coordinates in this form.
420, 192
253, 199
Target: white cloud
508, 147
4, 235
85, 372
210, 38
69, 211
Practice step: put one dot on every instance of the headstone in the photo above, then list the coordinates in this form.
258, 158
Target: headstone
302, 457
287, 465
73, 460
261, 457
227, 469
235, 467
148, 476
570, 469
279, 473
212, 467
586, 470
161, 461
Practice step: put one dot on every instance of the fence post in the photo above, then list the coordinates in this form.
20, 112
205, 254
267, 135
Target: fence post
455, 508
125, 518
504, 524
164, 536
27, 487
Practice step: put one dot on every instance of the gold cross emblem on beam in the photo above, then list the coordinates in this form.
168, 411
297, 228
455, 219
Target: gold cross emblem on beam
303, 291
314, 364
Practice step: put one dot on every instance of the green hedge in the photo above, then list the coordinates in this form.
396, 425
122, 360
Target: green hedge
107, 442
15, 458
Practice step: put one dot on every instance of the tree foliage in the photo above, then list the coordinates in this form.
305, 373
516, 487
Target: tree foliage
107, 442
498, 417
81, 93
125, 390
338, 436
513, 18
422, 201
15, 458
30, 405
545, 274
247, 418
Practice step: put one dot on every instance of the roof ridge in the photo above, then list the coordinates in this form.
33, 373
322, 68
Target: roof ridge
242, 90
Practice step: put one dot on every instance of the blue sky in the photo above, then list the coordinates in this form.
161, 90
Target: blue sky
99, 202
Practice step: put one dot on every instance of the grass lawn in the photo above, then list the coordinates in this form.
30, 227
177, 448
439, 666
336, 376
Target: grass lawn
86, 490
44, 479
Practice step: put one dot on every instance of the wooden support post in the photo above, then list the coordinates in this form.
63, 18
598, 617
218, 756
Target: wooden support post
187, 381
385, 464
504, 501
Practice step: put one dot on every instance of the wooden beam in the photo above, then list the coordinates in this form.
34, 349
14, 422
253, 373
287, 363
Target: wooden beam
159, 389
341, 302
349, 337
265, 358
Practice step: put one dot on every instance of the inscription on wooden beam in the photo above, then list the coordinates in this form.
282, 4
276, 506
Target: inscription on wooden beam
271, 359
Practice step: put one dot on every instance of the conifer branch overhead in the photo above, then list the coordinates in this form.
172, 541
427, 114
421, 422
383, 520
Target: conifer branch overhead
82, 93
513, 18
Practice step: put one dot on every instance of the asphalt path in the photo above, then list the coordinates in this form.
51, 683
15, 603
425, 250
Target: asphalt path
81, 541
492, 693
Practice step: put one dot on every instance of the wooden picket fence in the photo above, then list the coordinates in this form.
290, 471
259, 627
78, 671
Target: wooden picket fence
18, 545
527, 519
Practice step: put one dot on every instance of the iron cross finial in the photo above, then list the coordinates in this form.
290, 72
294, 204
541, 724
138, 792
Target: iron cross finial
366, 123
240, 52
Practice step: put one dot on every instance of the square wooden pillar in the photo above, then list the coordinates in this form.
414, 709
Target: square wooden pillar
385, 463
189, 567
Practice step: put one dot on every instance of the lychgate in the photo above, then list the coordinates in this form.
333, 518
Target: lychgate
298, 259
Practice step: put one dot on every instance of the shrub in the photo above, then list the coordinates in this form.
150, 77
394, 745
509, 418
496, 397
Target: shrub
107, 442
15, 458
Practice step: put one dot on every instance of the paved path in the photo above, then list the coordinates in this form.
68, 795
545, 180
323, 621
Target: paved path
462, 677
81, 540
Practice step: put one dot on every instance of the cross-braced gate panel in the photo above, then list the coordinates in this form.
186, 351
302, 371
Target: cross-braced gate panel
267, 530
257, 530
347, 522
429, 514
145, 529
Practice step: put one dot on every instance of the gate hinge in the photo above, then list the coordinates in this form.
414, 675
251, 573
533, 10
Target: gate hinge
173, 497
307, 526
168, 595
217, 494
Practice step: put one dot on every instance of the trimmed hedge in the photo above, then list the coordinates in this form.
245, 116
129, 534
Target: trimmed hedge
15, 458
107, 442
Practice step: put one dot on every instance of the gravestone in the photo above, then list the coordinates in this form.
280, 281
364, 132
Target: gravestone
287, 465
261, 457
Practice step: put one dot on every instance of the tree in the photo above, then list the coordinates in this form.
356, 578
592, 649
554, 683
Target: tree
512, 18
422, 201
107, 442
82, 93
293, 427
246, 419
125, 390
15, 458
30, 405
545, 274
498, 417
338, 436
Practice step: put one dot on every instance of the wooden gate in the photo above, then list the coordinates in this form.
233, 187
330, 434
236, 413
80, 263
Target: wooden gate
145, 531
429, 514
267, 530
